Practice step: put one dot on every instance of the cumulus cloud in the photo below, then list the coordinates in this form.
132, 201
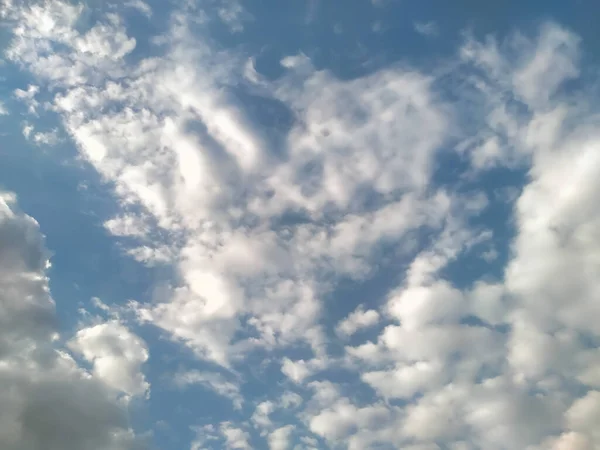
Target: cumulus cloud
487, 402
47, 401
279, 439
357, 320
116, 354
204, 190
235, 438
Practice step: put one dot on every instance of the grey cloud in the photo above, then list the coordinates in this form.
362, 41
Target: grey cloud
47, 402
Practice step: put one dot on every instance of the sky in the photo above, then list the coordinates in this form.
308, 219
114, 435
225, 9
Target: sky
359, 224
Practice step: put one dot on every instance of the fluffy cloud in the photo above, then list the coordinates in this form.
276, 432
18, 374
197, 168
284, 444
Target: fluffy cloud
357, 320
279, 439
545, 298
116, 355
48, 400
204, 191
235, 438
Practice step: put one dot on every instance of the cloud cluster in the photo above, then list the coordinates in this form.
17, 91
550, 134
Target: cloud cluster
260, 225
48, 401
173, 141
116, 355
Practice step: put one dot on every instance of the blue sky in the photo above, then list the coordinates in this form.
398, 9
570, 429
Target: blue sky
299, 225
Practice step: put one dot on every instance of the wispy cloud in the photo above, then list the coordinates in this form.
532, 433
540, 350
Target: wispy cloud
429, 29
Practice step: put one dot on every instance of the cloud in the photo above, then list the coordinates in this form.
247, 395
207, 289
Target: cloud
260, 233
117, 356
260, 417
191, 183
542, 339
428, 29
48, 401
141, 6
235, 438
301, 369
28, 97
204, 435
213, 381
357, 320
233, 15
49, 138
290, 400
279, 439
406, 380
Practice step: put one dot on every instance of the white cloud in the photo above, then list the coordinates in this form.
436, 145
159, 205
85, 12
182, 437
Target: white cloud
289, 400
419, 306
260, 417
359, 425
116, 354
406, 380
338, 123
555, 217
105, 41
280, 438
549, 63
48, 138
301, 369
235, 438
584, 414
192, 184
127, 226
357, 320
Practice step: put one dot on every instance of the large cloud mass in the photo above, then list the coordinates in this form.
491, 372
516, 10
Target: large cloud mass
47, 400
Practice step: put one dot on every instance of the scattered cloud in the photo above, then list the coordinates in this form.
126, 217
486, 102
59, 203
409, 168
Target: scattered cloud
141, 6
280, 438
428, 29
214, 382
357, 320
260, 232
232, 14
235, 438
116, 354
47, 138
